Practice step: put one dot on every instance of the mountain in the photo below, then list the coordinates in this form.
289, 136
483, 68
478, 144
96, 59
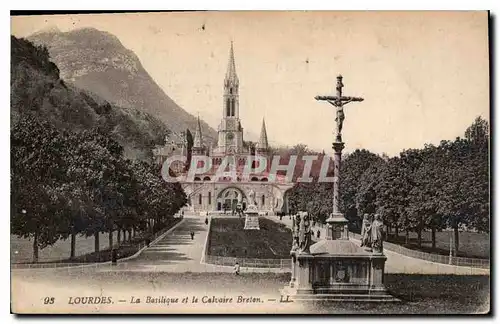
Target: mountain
37, 88
97, 61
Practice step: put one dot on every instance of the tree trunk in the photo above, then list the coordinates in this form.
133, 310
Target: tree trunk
433, 236
397, 232
407, 237
124, 235
118, 236
110, 239
455, 229
96, 241
35, 248
133, 231
419, 237
129, 235
73, 246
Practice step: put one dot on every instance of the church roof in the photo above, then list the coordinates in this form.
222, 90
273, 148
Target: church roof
263, 143
231, 67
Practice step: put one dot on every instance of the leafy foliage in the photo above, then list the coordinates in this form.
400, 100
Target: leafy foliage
436, 187
36, 88
80, 183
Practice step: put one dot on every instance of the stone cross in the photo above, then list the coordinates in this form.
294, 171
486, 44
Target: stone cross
338, 102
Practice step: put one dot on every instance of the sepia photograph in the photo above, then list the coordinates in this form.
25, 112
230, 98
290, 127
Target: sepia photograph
250, 162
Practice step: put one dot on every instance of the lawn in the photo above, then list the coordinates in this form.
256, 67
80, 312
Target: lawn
22, 249
472, 245
229, 239
420, 294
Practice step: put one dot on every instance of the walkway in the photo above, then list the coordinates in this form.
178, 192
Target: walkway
177, 252
398, 263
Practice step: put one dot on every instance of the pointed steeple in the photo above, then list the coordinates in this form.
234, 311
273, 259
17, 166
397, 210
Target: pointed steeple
198, 138
231, 67
263, 144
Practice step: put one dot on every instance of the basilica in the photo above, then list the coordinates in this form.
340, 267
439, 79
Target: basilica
207, 193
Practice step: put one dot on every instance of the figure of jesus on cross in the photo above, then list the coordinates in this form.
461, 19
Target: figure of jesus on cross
338, 102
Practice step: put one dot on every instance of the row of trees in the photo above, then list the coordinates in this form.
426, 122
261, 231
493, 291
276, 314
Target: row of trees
66, 184
433, 188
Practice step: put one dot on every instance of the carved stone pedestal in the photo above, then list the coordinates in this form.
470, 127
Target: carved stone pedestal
338, 271
252, 218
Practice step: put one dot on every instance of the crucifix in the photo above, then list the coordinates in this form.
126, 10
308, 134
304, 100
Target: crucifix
336, 219
338, 102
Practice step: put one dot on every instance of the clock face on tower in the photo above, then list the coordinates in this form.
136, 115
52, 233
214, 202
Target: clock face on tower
229, 136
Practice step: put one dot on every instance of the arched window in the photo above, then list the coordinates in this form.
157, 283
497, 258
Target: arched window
206, 179
228, 107
209, 197
199, 199
263, 179
232, 107
263, 200
254, 179
230, 90
197, 179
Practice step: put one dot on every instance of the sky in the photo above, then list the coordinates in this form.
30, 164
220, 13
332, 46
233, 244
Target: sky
424, 76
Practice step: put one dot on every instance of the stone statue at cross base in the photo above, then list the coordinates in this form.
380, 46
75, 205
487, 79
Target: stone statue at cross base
251, 197
295, 232
304, 232
366, 235
377, 234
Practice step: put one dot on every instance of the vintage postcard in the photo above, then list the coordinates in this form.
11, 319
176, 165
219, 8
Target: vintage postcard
321, 162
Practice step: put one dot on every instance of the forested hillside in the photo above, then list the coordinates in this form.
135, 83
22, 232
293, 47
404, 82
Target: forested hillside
36, 88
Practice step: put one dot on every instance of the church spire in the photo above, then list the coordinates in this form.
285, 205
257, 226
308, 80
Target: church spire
263, 144
231, 67
198, 139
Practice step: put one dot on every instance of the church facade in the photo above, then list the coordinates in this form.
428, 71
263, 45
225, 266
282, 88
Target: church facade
211, 193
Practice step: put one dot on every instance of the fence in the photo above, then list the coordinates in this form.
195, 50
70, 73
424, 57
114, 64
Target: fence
438, 258
249, 263
140, 236
70, 267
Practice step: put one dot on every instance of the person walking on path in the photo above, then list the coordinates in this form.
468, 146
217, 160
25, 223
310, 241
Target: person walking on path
236, 268
206, 221
192, 235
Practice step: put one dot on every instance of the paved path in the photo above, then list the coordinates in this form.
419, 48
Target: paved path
398, 263
177, 252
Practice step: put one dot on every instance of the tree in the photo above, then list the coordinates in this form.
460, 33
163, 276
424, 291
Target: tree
391, 193
366, 195
352, 167
466, 190
425, 195
37, 164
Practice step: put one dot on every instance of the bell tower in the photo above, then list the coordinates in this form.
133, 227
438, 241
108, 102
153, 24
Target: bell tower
231, 85
230, 130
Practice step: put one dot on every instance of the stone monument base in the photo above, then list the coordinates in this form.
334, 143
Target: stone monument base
252, 218
338, 270
252, 222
